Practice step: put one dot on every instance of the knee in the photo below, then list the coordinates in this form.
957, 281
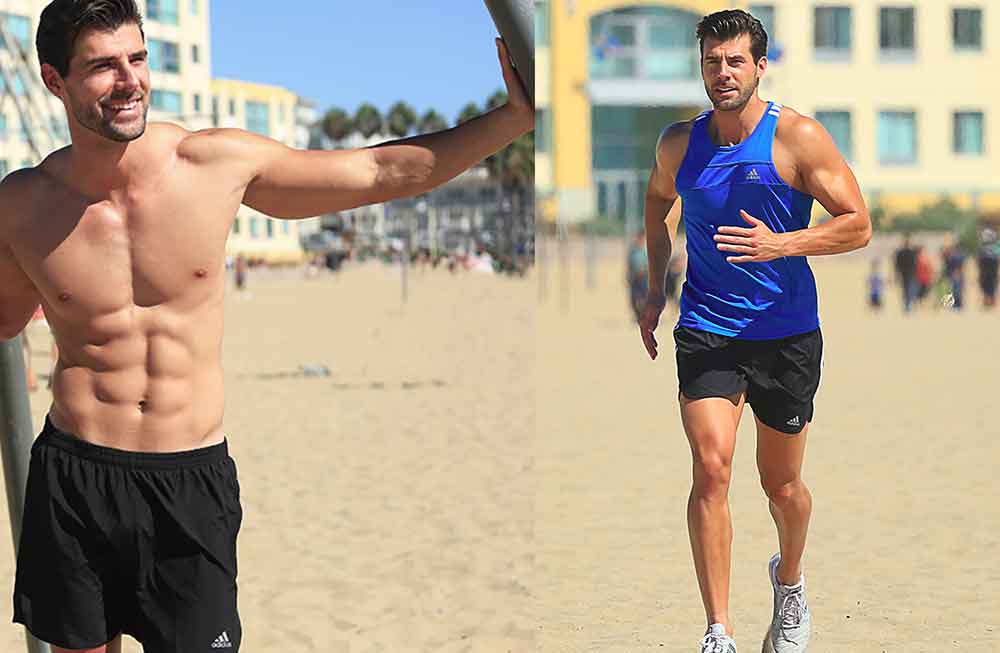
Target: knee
784, 492
712, 474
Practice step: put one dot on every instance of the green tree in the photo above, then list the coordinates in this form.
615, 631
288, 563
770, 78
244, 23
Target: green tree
498, 99
468, 112
368, 120
337, 124
401, 119
432, 121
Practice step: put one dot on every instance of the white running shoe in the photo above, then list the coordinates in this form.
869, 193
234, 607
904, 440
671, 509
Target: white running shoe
790, 621
717, 641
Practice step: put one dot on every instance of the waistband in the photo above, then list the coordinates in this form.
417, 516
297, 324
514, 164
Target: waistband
52, 436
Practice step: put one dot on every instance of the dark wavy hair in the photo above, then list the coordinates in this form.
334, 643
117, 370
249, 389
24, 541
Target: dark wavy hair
62, 22
731, 24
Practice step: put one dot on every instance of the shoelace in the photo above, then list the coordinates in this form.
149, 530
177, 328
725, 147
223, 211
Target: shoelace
792, 606
717, 643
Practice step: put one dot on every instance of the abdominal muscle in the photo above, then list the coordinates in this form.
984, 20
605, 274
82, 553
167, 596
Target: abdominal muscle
142, 378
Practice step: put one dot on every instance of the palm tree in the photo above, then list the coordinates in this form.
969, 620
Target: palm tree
469, 111
401, 119
337, 124
368, 120
432, 121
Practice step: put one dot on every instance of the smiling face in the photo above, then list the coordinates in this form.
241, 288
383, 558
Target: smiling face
107, 88
730, 73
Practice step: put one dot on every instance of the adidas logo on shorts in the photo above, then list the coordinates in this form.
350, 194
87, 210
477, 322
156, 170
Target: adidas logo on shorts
794, 421
222, 641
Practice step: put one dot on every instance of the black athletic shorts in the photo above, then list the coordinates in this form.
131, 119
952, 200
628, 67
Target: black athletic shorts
141, 543
780, 377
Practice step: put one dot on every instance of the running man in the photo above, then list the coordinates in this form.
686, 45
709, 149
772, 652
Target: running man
748, 331
132, 508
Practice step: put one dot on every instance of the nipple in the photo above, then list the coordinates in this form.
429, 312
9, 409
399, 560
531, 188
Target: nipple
64, 297
201, 274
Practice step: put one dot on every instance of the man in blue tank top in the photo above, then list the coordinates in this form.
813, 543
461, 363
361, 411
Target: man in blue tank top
747, 173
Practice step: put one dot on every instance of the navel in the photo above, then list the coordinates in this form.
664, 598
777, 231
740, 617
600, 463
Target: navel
201, 274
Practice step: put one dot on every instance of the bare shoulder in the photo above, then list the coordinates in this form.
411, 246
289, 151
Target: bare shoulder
800, 133
673, 144
17, 191
222, 144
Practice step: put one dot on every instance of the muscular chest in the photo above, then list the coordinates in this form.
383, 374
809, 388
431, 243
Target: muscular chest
150, 246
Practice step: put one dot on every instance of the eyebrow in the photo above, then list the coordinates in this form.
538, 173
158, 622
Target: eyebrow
91, 62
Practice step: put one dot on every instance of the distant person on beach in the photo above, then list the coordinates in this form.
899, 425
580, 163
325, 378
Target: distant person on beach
748, 333
240, 272
133, 507
987, 259
905, 259
924, 274
876, 286
953, 273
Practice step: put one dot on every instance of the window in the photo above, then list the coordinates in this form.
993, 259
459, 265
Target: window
258, 118
25, 135
967, 29
197, 103
164, 11
3, 128
215, 112
644, 43
195, 54
286, 227
832, 32
542, 130
166, 101
194, 7
19, 28
765, 14
253, 228
232, 107
236, 227
4, 168
270, 228
542, 23
897, 137
838, 123
281, 112
896, 31
968, 132
163, 56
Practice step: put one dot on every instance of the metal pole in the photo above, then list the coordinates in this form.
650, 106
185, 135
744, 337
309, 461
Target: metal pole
515, 20
16, 438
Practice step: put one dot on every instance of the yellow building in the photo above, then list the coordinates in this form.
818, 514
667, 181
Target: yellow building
902, 87
270, 111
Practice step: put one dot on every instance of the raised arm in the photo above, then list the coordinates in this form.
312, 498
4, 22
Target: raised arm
18, 296
290, 183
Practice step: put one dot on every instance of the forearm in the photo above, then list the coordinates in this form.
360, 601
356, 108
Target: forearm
843, 233
415, 165
658, 246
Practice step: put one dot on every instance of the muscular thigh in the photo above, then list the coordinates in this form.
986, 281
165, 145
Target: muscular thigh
710, 424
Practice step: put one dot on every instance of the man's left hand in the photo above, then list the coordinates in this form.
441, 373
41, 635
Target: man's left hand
517, 97
755, 244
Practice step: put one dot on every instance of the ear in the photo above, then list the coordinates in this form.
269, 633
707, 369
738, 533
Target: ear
762, 66
52, 80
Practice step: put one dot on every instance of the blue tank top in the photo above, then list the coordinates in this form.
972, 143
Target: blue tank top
753, 301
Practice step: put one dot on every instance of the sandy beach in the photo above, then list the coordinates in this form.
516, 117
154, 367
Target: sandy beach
903, 540
388, 507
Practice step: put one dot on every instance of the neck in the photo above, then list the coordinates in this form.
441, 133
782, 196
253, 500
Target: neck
733, 127
100, 166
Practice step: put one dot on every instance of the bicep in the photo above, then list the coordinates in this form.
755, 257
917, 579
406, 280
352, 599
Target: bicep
827, 177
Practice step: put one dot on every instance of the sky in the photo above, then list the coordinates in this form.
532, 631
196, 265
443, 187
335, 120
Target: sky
429, 53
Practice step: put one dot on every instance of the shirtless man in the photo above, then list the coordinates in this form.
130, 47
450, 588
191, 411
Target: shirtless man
748, 331
132, 509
